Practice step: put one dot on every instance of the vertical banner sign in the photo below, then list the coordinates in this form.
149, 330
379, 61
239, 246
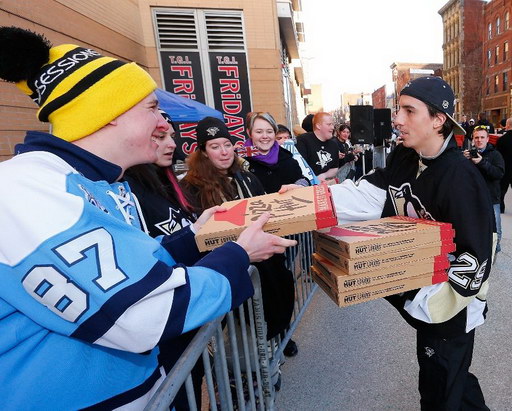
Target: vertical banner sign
183, 76
231, 90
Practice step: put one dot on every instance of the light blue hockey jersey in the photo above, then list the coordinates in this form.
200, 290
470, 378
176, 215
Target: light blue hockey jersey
85, 295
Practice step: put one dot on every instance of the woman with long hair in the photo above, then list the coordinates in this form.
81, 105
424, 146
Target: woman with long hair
348, 155
163, 207
215, 176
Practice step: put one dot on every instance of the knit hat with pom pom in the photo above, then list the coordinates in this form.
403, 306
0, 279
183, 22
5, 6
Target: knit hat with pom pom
77, 89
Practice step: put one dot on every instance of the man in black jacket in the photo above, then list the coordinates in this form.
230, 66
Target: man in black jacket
441, 185
482, 121
504, 146
492, 166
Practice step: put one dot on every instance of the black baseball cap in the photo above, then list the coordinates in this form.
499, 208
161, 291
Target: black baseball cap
436, 93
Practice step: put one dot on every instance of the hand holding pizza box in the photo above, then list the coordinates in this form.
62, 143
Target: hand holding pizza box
363, 261
293, 212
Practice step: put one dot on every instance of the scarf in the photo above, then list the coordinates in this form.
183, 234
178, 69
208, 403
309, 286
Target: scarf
270, 158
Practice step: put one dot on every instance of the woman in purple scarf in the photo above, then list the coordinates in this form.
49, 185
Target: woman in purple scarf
274, 166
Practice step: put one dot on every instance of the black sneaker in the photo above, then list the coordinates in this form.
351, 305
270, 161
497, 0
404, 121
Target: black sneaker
291, 349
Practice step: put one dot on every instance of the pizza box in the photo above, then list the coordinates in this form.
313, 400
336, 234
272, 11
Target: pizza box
383, 235
377, 291
341, 281
373, 262
296, 211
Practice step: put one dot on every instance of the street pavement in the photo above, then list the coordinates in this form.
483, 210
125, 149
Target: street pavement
362, 358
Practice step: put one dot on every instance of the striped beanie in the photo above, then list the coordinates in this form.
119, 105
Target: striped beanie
77, 89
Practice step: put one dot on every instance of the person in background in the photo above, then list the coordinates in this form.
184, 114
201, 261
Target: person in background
215, 175
503, 126
319, 149
464, 123
482, 121
307, 123
282, 134
86, 296
504, 146
347, 155
472, 124
491, 165
290, 145
163, 207
273, 166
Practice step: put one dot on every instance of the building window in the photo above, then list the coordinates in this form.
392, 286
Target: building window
505, 81
496, 83
507, 20
498, 24
505, 51
489, 31
202, 54
497, 54
489, 57
488, 86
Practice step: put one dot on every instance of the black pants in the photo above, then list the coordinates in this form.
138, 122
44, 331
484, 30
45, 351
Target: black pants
445, 383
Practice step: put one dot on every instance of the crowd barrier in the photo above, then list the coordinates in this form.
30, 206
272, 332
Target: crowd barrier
234, 366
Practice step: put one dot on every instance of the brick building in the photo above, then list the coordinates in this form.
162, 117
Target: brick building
497, 35
402, 73
379, 97
462, 52
182, 43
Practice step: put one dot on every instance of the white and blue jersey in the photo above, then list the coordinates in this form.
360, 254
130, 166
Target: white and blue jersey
85, 295
307, 171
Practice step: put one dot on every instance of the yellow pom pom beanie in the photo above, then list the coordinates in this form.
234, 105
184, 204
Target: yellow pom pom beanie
79, 91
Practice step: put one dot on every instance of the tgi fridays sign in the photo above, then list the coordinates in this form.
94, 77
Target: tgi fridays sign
231, 90
182, 76
230, 86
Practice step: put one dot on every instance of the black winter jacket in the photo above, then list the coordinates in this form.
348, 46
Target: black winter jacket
347, 150
278, 289
285, 171
449, 189
492, 167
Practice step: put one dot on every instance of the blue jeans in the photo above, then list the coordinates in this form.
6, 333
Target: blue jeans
497, 217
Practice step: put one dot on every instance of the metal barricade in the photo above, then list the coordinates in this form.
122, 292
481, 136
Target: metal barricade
241, 367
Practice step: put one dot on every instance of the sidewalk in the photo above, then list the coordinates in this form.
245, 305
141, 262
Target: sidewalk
363, 357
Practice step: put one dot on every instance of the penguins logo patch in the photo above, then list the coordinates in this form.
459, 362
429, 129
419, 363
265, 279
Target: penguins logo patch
406, 203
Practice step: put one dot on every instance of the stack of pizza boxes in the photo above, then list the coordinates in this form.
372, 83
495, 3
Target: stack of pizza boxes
363, 261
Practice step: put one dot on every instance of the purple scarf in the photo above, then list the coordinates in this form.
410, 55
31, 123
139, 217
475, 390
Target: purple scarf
269, 158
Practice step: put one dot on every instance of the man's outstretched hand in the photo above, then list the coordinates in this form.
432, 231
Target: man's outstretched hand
260, 245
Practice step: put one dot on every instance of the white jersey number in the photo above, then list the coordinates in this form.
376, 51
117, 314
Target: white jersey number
61, 295
468, 273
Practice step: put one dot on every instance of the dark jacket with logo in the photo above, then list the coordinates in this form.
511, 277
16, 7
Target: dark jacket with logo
449, 189
273, 176
492, 167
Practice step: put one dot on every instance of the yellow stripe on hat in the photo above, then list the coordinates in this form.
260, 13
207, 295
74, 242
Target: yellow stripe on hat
55, 54
101, 103
69, 81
